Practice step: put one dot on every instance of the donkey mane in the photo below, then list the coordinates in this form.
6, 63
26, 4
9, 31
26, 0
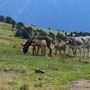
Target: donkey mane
28, 43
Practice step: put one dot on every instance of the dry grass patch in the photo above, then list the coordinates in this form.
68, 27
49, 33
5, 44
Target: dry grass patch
81, 84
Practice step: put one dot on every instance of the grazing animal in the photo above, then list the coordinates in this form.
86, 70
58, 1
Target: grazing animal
28, 43
79, 43
59, 47
86, 41
75, 43
40, 44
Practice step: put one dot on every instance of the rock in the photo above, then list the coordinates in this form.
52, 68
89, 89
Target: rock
7, 69
40, 78
39, 71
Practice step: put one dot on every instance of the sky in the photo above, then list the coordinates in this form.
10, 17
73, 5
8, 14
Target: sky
67, 15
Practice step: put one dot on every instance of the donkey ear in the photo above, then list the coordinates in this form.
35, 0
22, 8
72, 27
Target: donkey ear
22, 44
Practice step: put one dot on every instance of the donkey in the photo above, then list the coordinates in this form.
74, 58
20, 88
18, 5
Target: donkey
28, 43
79, 43
40, 44
86, 40
59, 47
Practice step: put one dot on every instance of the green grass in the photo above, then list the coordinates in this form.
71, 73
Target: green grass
57, 73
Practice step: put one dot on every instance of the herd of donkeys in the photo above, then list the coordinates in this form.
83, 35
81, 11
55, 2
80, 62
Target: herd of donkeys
71, 43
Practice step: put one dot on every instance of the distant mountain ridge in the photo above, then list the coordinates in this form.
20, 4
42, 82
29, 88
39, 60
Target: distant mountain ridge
67, 15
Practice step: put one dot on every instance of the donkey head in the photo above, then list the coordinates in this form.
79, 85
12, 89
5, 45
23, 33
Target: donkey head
68, 35
25, 49
69, 41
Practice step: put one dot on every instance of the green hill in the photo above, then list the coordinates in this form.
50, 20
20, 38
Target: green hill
17, 71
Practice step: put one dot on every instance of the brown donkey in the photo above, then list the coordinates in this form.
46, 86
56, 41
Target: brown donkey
40, 44
59, 47
28, 43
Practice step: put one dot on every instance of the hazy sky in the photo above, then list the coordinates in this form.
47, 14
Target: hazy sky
67, 15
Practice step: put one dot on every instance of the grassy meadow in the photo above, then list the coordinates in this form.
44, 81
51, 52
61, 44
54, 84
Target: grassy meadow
17, 71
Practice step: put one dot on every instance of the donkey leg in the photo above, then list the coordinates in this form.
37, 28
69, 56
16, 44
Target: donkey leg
55, 52
75, 52
50, 50
80, 52
37, 51
60, 52
65, 52
34, 50
89, 52
42, 51
50, 53
84, 51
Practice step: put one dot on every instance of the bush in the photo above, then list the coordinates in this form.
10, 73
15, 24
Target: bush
18, 33
52, 35
61, 37
21, 24
8, 20
2, 18
25, 32
42, 33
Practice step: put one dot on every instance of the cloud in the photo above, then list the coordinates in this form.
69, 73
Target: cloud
22, 8
2, 5
57, 4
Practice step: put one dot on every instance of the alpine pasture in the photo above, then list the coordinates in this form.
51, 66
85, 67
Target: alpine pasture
17, 71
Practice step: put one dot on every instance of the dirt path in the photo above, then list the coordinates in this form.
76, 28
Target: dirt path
81, 84
6, 78
8, 75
